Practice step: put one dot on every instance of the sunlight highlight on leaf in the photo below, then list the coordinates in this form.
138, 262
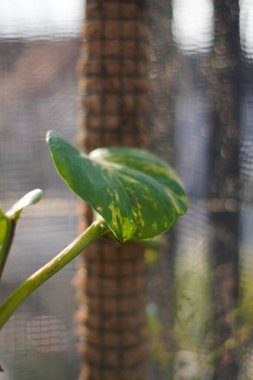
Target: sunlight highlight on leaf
137, 194
30, 198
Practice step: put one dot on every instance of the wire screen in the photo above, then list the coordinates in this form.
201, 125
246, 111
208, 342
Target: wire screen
38, 82
199, 290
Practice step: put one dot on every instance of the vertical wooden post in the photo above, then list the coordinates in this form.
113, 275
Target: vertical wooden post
225, 181
115, 101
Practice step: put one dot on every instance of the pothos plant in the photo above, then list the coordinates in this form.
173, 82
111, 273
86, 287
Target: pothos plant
134, 195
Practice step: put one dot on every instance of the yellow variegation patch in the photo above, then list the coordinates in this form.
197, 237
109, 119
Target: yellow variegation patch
137, 194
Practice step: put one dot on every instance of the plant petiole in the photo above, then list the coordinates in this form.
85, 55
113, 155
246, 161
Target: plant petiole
95, 230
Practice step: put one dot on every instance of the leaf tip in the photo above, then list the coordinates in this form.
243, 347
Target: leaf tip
30, 198
37, 194
50, 136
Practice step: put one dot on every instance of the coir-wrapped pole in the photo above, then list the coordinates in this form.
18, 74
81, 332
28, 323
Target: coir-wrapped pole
114, 88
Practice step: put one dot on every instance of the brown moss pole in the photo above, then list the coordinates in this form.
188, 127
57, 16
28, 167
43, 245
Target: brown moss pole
111, 280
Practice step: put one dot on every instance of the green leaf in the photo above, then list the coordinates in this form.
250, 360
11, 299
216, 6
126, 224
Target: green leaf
8, 223
137, 194
3, 228
1, 212
30, 198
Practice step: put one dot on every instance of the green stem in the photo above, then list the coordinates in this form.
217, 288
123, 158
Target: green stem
96, 229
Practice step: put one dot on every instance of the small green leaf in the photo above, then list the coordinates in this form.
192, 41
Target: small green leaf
3, 228
1, 212
30, 198
8, 223
137, 194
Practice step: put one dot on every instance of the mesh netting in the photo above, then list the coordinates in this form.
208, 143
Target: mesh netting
145, 81
38, 79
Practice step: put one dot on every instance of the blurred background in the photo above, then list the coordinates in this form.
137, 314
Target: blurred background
200, 290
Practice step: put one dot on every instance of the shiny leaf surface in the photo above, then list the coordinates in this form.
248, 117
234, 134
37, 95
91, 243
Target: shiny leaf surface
137, 194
